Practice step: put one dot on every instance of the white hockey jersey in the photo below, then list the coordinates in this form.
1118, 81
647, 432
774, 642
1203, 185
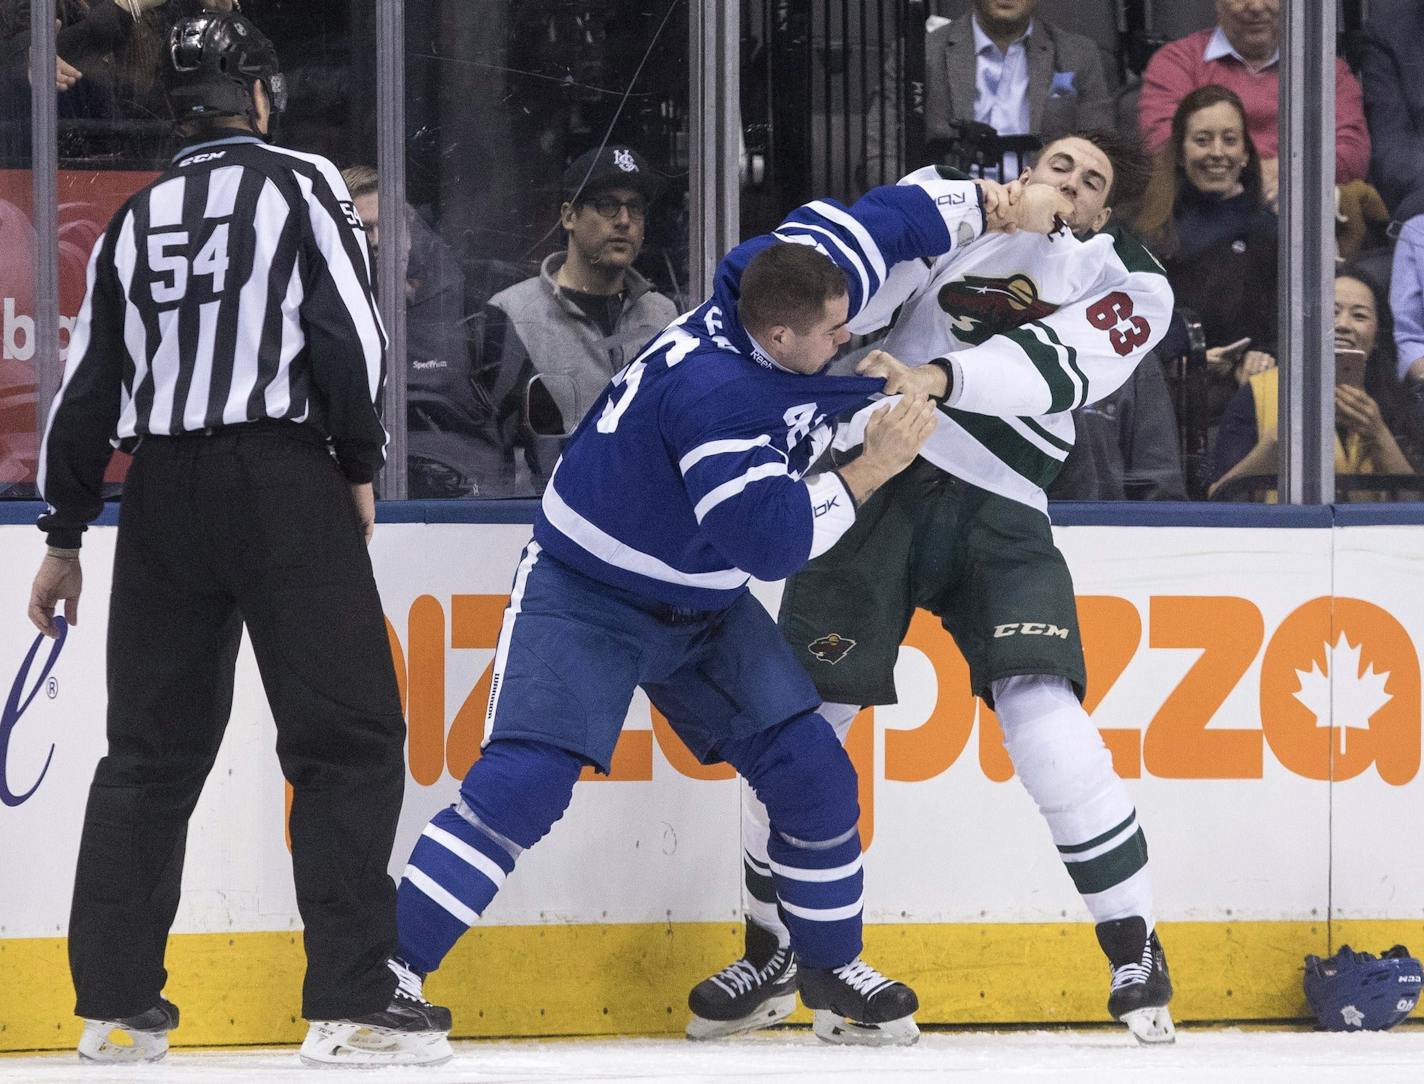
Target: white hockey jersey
1034, 327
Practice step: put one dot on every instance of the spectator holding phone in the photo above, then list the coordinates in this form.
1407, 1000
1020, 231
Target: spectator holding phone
1371, 421
1206, 219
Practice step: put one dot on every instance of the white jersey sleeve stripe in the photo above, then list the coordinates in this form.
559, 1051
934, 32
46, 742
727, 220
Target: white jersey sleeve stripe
611, 551
853, 226
855, 261
727, 490
832, 510
719, 447
327, 233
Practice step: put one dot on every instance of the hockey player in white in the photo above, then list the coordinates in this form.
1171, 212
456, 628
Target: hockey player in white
1011, 333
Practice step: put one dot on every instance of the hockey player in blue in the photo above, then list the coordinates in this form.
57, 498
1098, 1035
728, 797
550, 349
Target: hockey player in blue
687, 478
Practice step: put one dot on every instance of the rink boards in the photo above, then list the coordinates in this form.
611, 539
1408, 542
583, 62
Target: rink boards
1259, 688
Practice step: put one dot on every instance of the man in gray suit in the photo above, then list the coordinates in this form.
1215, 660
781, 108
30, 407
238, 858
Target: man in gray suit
1000, 66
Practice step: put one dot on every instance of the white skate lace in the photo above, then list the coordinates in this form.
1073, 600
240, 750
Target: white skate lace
407, 982
1135, 973
740, 976
862, 978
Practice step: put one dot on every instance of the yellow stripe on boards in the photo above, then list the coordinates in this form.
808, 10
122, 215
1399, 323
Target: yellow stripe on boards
245, 988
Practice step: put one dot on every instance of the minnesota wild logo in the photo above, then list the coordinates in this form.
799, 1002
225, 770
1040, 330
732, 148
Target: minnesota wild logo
980, 308
832, 648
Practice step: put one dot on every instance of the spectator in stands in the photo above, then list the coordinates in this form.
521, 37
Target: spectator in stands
1242, 53
1406, 300
1372, 423
108, 57
1127, 446
1205, 217
1392, 70
451, 447
1000, 66
583, 317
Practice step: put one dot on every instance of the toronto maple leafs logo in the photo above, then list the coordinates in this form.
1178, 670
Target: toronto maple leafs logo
980, 308
1346, 693
832, 648
1352, 1016
623, 159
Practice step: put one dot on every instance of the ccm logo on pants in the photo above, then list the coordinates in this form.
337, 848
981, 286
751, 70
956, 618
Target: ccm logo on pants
1029, 628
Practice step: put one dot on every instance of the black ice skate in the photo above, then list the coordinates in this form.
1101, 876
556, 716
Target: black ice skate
141, 1038
753, 992
855, 1005
409, 1031
1141, 987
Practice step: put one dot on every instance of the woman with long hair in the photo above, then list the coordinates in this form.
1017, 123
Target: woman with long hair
1205, 218
1372, 424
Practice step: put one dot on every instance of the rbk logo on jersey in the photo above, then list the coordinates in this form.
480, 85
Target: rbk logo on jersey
980, 308
831, 649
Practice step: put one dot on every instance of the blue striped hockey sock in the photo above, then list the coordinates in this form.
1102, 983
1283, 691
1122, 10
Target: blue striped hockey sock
820, 888
509, 800
454, 872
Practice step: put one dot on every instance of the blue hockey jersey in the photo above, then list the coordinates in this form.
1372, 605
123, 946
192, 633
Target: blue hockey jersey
686, 477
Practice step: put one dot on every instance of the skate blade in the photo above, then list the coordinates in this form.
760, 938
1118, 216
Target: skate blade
769, 1012
1151, 1026
112, 1044
831, 1027
332, 1043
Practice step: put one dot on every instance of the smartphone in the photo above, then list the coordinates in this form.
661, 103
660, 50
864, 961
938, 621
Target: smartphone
1350, 367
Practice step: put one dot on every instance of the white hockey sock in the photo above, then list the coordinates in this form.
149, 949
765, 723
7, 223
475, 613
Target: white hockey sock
1060, 758
760, 894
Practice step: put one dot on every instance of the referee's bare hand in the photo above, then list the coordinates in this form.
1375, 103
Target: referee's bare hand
59, 579
364, 498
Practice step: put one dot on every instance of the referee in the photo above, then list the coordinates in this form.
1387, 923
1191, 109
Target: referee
229, 340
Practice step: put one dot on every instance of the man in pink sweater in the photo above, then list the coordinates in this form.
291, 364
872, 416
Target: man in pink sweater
1242, 53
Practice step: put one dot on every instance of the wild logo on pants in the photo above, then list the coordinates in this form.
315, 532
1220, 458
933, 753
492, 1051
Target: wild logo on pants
831, 649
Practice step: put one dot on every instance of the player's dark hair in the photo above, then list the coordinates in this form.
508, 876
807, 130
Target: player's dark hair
789, 285
1132, 167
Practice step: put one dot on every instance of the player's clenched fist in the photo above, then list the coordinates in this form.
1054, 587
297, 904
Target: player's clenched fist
1040, 208
894, 436
900, 378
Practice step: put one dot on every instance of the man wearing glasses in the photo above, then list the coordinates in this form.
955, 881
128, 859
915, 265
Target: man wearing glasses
583, 317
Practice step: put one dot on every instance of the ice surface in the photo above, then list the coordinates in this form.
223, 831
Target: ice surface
795, 1057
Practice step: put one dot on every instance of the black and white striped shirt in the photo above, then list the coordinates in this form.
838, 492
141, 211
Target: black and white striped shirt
236, 287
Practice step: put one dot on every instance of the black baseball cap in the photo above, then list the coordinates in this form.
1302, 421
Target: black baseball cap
612, 167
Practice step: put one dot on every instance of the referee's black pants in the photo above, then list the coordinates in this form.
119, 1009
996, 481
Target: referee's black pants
252, 524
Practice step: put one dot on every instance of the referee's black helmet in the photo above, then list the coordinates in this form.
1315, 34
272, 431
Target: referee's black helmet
212, 61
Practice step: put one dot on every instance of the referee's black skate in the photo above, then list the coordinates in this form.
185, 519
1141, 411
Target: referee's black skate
750, 993
1141, 986
409, 1031
855, 1005
131, 1039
